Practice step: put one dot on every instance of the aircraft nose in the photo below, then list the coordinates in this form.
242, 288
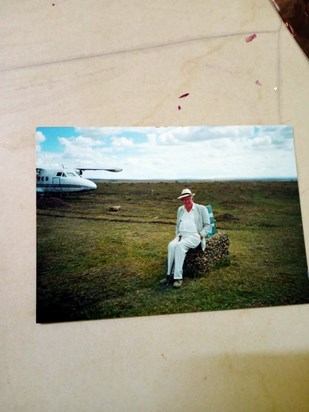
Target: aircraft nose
93, 185
89, 185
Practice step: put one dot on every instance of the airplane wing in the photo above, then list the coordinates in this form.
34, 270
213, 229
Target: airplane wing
83, 169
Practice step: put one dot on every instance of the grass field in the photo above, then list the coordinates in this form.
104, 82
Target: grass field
94, 263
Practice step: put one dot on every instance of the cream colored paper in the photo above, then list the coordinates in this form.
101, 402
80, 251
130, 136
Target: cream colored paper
124, 63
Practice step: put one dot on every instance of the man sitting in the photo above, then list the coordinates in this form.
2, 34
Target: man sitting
192, 227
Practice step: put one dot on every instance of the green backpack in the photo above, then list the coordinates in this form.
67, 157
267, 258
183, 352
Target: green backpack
212, 222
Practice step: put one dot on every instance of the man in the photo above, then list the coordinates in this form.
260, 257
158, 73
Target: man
192, 227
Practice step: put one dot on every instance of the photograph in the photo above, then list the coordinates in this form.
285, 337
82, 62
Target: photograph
144, 221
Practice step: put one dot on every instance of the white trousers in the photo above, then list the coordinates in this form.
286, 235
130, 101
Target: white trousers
177, 250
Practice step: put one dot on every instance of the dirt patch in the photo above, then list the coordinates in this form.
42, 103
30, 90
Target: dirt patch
226, 217
51, 202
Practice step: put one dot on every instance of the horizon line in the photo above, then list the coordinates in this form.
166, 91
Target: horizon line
288, 178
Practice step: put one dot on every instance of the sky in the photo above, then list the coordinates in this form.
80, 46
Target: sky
199, 152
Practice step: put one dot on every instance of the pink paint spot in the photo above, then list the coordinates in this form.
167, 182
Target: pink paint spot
183, 95
258, 83
251, 37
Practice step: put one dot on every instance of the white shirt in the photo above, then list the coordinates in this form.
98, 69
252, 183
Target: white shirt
187, 223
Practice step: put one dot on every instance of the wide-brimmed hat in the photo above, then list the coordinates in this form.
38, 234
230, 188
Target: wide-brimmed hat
186, 193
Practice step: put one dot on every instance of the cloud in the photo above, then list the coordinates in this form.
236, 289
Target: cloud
98, 131
103, 132
39, 139
182, 152
122, 142
49, 159
79, 142
275, 136
180, 135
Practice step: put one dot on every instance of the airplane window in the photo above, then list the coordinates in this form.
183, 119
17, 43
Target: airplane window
46, 178
59, 174
64, 175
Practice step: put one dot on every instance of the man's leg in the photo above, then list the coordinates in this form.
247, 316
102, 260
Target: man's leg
180, 250
171, 255
170, 262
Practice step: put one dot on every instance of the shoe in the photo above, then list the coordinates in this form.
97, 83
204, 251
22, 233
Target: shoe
177, 284
165, 281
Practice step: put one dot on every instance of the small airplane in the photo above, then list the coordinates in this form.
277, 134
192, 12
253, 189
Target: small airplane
64, 180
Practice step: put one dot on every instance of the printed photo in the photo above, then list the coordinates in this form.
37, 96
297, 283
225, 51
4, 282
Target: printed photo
144, 221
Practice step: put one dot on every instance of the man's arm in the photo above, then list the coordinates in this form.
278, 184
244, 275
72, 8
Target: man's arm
179, 214
206, 225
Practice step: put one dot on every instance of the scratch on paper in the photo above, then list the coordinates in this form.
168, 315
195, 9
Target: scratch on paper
250, 38
181, 97
184, 95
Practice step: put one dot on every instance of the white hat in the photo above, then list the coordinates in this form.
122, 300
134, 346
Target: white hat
186, 193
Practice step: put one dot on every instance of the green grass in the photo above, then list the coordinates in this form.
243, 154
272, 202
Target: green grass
94, 263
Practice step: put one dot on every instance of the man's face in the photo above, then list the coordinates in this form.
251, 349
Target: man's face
187, 202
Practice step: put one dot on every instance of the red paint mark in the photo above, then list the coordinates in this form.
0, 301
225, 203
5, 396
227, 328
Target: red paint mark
251, 37
183, 95
179, 107
258, 83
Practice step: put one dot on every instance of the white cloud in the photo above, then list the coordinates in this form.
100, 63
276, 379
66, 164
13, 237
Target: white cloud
49, 159
79, 141
39, 139
122, 142
183, 152
98, 131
